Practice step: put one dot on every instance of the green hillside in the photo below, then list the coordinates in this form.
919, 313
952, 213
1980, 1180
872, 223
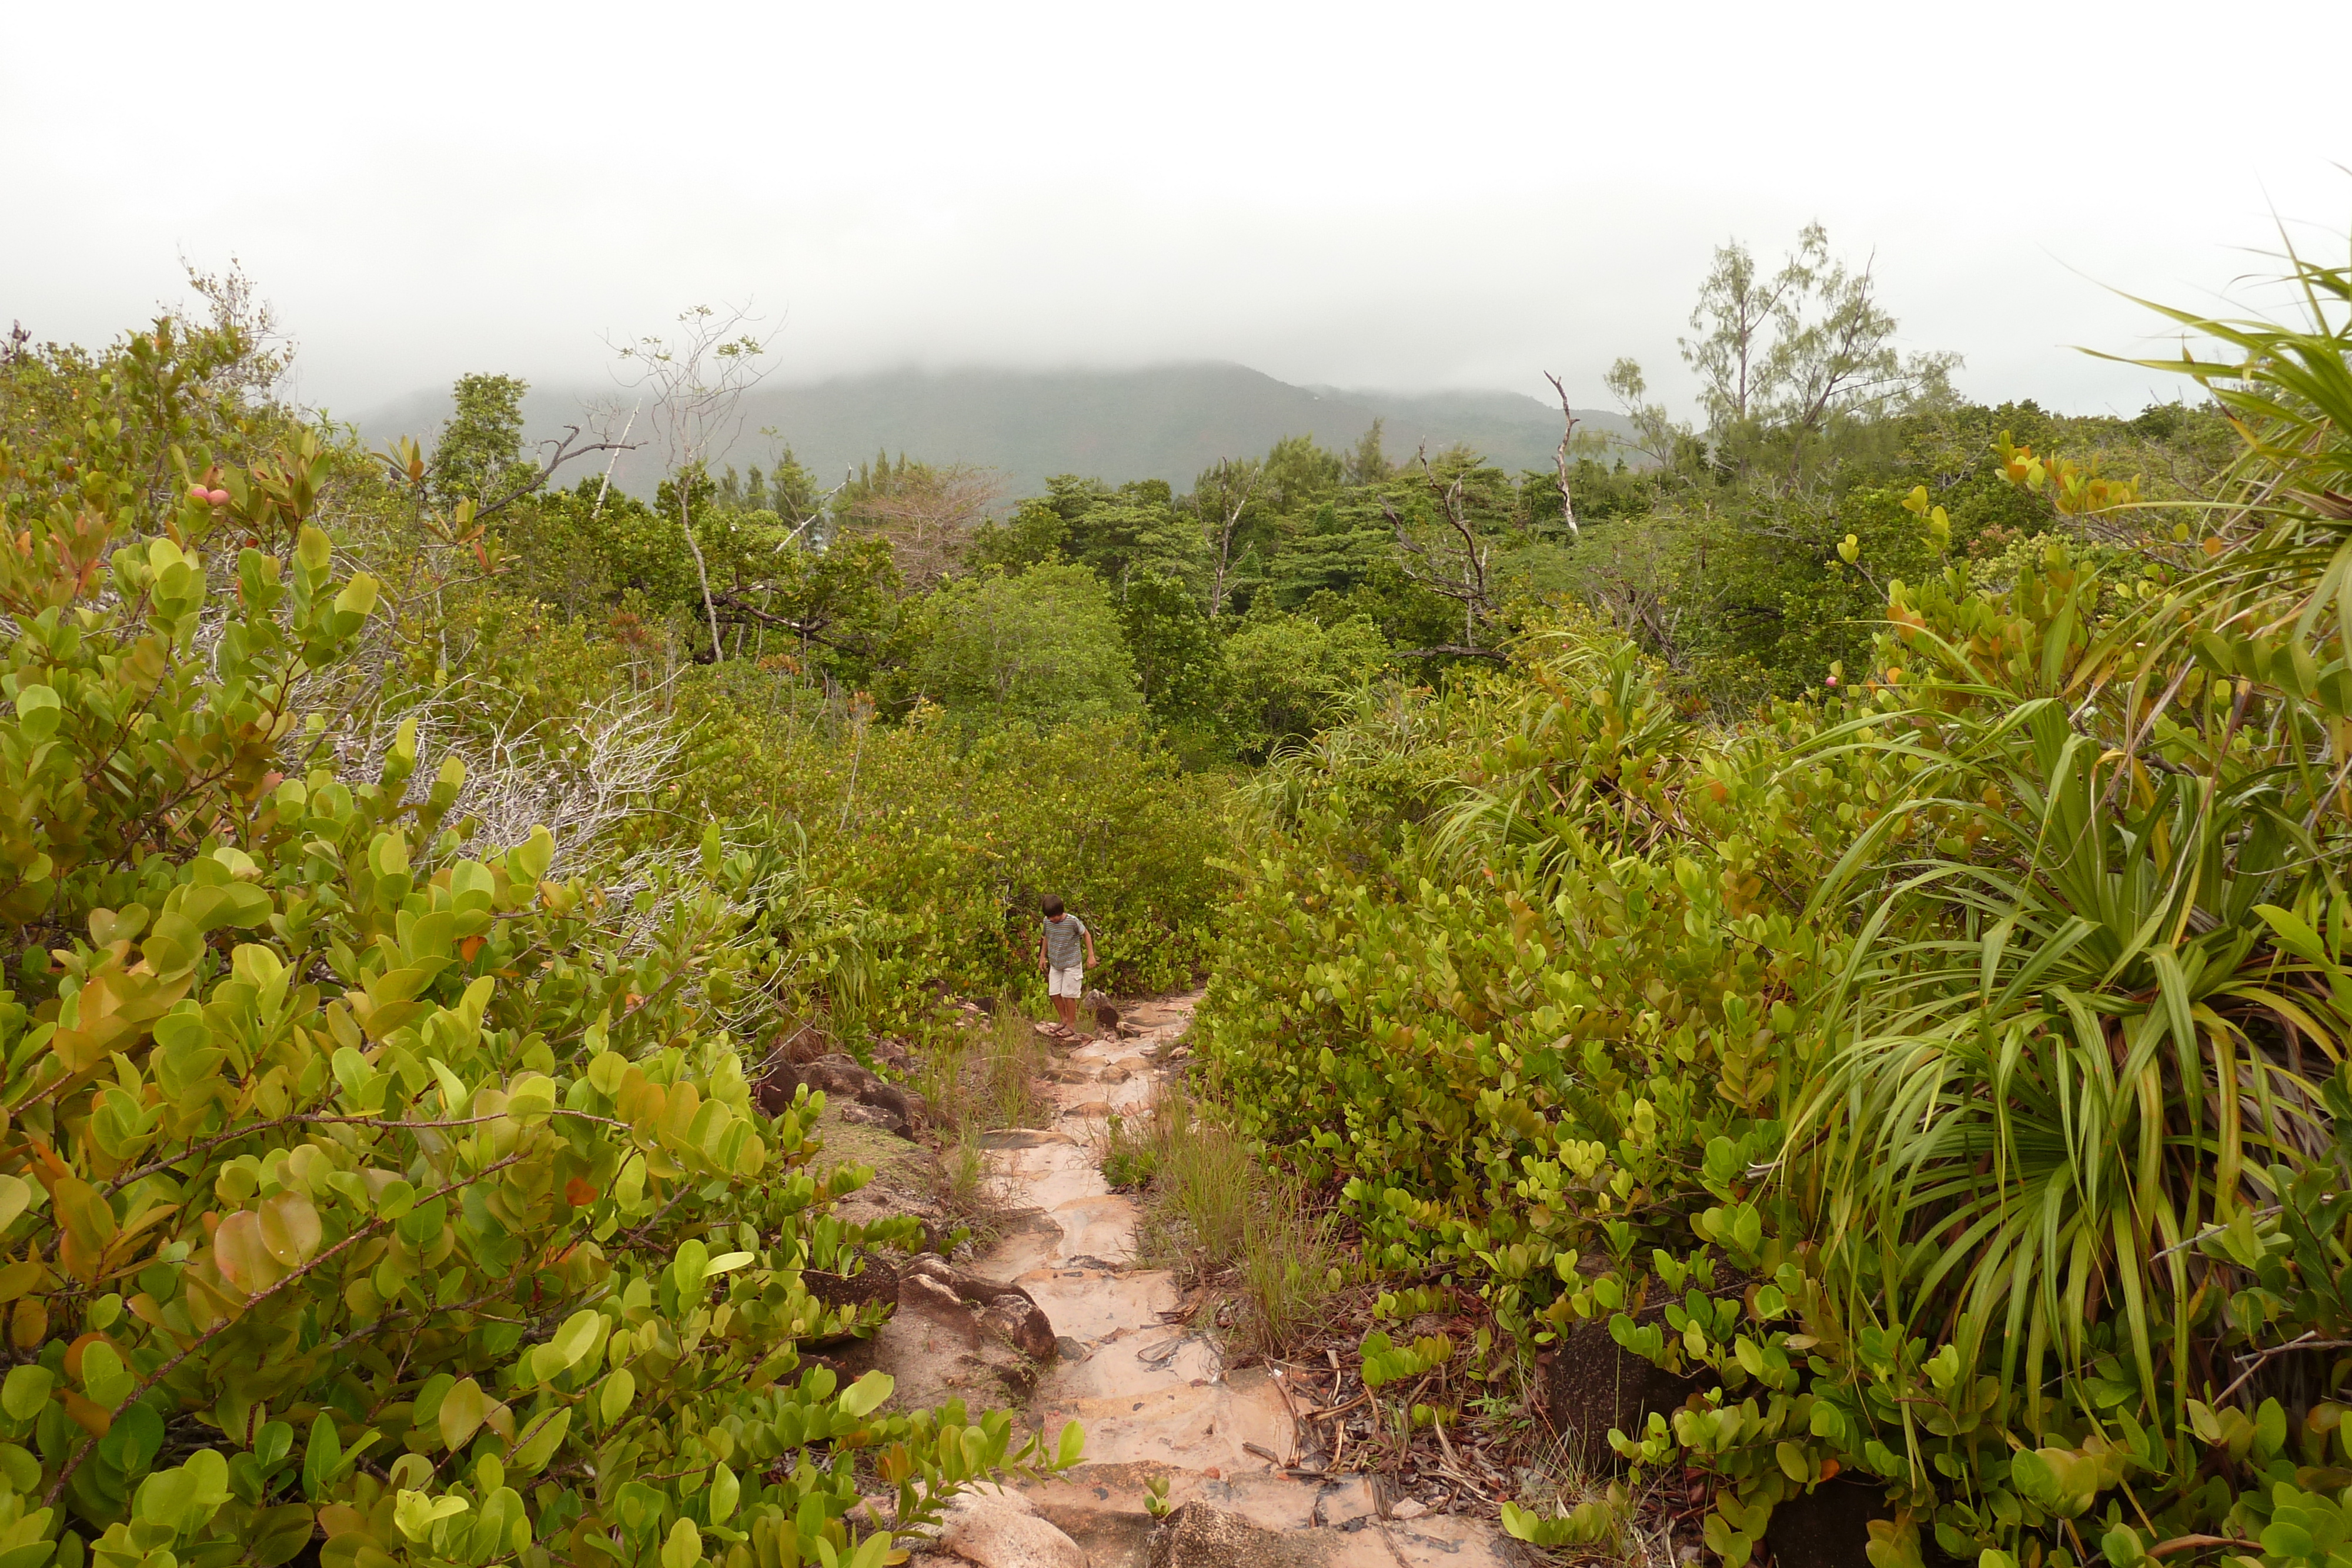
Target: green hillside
1167, 422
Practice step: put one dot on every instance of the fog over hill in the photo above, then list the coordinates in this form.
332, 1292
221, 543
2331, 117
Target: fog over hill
1167, 422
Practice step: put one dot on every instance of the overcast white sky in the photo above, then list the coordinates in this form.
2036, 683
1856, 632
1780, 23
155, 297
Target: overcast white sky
1367, 194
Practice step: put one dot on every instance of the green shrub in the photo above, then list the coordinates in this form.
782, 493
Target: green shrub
936, 847
1285, 676
1041, 648
1948, 1073
364, 1182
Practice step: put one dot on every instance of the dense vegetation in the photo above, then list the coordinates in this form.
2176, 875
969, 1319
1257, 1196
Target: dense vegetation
1843, 899
1941, 1068
380, 1173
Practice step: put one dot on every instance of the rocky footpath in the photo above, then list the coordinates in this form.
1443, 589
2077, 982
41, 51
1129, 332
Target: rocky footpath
1057, 1317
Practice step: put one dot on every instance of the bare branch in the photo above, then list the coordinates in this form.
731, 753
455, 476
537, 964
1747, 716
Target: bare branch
697, 379
1235, 483
605, 488
925, 514
740, 606
1559, 458
1453, 651
566, 447
1463, 578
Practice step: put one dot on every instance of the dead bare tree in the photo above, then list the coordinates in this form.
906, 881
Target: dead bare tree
696, 381
603, 765
604, 486
1559, 458
1453, 568
1223, 494
925, 513
1633, 604
815, 511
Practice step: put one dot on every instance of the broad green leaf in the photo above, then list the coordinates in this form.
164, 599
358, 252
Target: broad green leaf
461, 1413
289, 1229
358, 596
16, 1197
605, 1070
26, 1390
104, 1377
454, 1093
323, 1458
185, 1498
866, 1394
416, 1513
620, 1388
39, 712
538, 1443
581, 1332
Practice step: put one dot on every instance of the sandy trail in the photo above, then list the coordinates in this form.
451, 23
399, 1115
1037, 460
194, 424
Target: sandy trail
1155, 1398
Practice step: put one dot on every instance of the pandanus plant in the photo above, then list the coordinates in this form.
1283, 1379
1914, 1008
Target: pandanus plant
2075, 1090
2096, 1051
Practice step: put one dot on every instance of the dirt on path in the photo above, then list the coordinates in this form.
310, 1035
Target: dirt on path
1155, 1397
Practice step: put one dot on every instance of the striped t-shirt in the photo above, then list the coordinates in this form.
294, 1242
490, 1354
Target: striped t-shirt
1065, 942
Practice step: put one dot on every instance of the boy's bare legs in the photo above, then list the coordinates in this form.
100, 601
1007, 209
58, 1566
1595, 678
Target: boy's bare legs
1068, 1008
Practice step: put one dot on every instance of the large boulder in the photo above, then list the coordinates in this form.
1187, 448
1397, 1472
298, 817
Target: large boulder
1023, 1325
1000, 1530
910, 1109
1006, 1311
1588, 1383
840, 1077
839, 1074
1829, 1527
1105, 1015
935, 1350
863, 1116
871, 1277
954, 1336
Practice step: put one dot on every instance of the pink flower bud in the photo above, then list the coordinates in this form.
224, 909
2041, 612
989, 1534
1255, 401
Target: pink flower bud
1830, 679
198, 493
218, 498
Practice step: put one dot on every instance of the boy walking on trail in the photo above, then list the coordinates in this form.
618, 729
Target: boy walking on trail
1066, 953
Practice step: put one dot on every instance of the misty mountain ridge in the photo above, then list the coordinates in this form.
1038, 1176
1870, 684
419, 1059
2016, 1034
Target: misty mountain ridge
1163, 422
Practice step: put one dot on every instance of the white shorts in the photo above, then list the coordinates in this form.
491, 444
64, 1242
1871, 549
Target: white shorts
1070, 982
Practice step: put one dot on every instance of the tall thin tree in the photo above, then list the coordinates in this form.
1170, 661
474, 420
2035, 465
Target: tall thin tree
696, 381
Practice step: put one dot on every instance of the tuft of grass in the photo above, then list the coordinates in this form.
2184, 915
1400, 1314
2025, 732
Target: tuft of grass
1129, 1159
1290, 1262
969, 1190
1220, 1215
983, 1078
1134, 1152
938, 1074
976, 1080
1010, 1058
1193, 1215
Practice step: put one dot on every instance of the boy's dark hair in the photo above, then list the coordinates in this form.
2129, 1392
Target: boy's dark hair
1053, 904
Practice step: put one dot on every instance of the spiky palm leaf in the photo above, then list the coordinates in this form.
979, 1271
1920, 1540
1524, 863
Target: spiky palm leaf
2034, 1109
